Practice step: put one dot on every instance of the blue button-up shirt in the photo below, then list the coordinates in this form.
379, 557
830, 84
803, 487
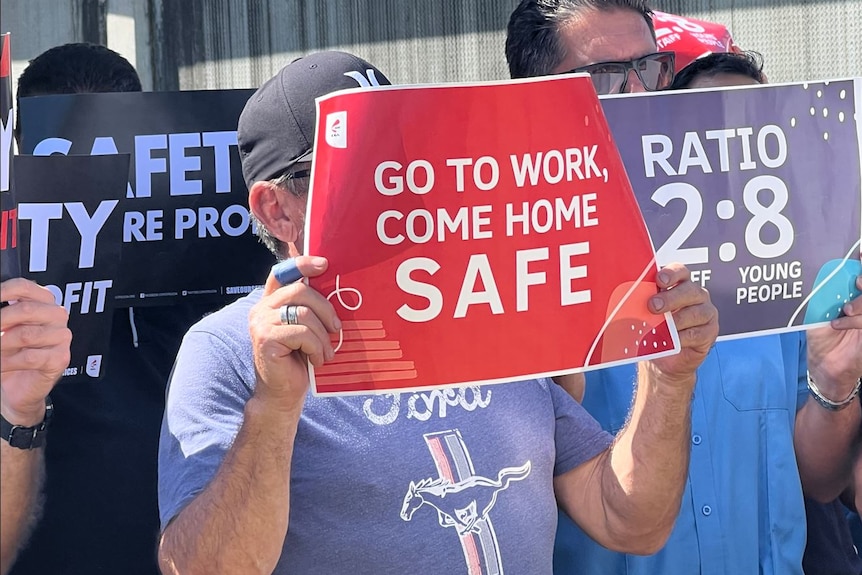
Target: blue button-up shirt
742, 510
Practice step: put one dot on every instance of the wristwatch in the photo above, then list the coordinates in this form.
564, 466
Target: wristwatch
27, 437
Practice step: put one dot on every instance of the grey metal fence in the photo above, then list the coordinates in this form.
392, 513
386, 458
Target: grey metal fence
202, 44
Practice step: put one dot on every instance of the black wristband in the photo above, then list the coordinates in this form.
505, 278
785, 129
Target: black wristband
27, 437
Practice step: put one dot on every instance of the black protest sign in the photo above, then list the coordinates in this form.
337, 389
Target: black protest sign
70, 227
10, 265
186, 230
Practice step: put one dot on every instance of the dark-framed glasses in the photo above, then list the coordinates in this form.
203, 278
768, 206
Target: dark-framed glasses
298, 174
297, 189
655, 71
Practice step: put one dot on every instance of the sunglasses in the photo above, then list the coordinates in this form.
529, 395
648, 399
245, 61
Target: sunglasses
295, 175
655, 71
298, 175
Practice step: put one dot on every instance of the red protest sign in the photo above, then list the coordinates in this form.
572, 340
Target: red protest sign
477, 234
690, 38
5, 56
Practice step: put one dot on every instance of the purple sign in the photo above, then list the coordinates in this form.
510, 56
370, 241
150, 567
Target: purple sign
758, 192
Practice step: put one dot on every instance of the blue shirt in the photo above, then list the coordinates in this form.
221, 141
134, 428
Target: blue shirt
742, 510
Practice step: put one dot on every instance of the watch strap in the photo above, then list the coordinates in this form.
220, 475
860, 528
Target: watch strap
24, 437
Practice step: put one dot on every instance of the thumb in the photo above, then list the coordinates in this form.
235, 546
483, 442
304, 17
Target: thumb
294, 269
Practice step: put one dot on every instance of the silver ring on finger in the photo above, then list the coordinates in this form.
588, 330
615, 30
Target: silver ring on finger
289, 315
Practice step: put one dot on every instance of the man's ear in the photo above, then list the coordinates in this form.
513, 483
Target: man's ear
269, 205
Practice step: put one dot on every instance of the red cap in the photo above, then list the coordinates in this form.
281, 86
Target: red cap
690, 38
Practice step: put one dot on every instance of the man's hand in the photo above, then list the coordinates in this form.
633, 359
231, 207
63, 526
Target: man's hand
835, 352
280, 351
826, 440
238, 523
34, 349
696, 320
628, 497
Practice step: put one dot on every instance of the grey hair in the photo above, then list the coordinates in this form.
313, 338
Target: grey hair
294, 186
533, 46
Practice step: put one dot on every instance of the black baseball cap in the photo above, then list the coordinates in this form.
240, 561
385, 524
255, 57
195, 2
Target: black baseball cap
276, 127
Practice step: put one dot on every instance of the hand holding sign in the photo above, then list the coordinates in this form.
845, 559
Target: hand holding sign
34, 349
282, 344
695, 317
835, 351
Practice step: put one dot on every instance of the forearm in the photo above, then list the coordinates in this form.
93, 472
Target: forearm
825, 441
646, 470
628, 497
20, 494
239, 522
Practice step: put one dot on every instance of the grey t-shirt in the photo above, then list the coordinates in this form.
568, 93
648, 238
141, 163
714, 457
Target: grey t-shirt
443, 481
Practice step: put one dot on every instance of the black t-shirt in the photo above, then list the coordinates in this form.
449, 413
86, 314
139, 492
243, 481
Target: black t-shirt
830, 548
101, 512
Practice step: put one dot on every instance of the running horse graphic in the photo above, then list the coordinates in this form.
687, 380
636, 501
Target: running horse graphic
460, 505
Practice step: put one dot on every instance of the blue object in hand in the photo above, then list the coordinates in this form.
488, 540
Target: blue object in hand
833, 292
286, 271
